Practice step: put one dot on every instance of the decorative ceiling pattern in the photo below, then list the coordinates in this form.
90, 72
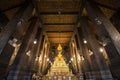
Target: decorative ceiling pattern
58, 17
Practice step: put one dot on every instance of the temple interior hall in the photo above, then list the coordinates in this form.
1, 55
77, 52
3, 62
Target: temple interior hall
59, 39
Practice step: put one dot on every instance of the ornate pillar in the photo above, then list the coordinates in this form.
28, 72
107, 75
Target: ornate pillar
7, 44
47, 63
72, 58
36, 51
44, 55
102, 70
39, 53
9, 29
21, 63
86, 61
41, 56
76, 54
34, 58
104, 27
115, 59
4, 59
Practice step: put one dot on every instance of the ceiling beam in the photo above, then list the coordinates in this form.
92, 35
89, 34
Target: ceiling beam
59, 27
59, 13
63, 44
59, 37
67, 6
50, 25
59, 24
59, 31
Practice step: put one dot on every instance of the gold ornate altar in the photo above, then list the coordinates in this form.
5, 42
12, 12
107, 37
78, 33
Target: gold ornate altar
59, 70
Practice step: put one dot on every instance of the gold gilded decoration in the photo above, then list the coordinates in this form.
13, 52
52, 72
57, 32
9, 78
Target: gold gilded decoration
59, 69
59, 47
